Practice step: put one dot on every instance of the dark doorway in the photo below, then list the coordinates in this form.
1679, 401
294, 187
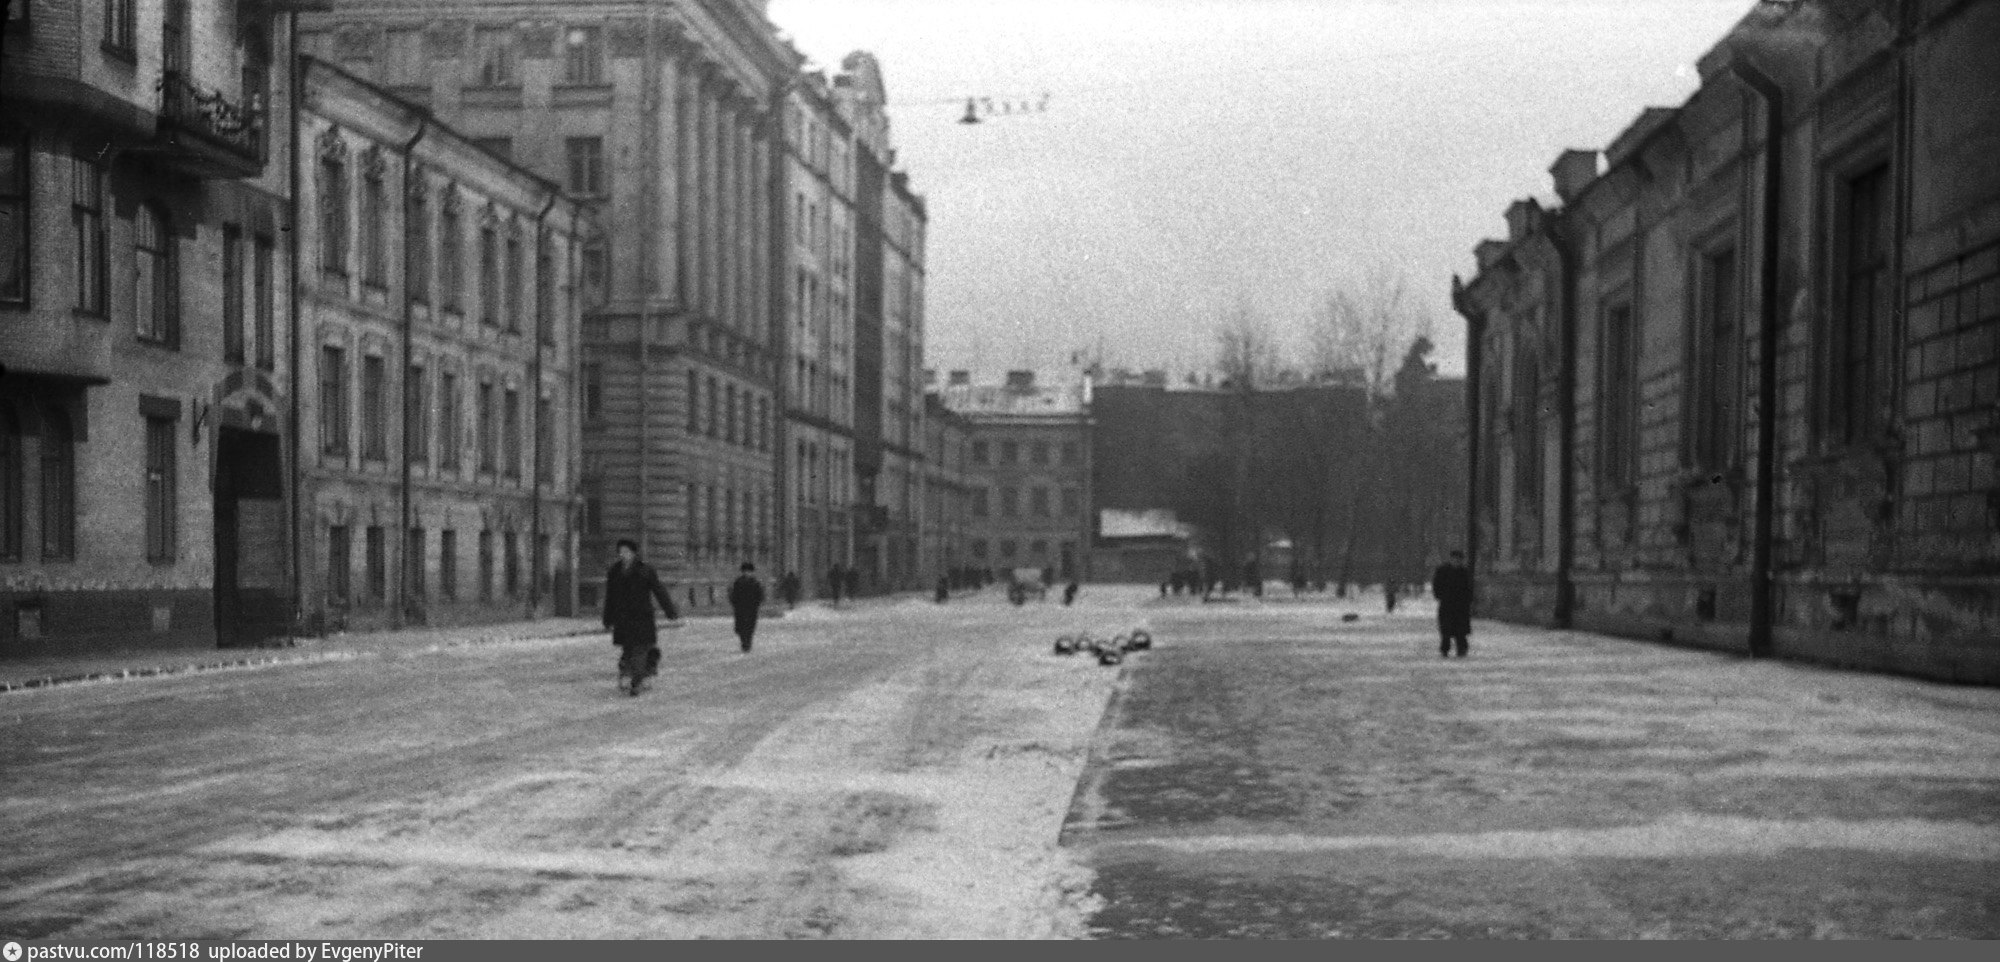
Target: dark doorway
250, 583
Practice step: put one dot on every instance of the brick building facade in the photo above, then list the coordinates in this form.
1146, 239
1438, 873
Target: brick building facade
439, 335
144, 326
1739, 388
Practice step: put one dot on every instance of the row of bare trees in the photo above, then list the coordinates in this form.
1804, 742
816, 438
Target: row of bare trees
1339, 438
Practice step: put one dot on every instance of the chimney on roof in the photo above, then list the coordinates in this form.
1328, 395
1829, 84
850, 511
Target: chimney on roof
1573, 171
1521, 218
1020, 382
958, 379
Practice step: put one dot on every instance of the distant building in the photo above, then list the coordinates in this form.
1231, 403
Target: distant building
947, 494
1146, 547
1028, 471
1738, 390
439, 336
144, 326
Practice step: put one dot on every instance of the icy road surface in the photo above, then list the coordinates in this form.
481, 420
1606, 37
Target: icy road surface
896, 769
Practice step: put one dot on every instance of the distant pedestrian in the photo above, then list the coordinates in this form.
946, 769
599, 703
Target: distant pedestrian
630, 587
789, 587
1389, 595
943, 589
746, 600
1451, 585
1069, 593
835, 580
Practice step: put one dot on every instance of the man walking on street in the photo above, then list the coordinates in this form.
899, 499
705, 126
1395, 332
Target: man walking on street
630, 586
746, 599
1451, 585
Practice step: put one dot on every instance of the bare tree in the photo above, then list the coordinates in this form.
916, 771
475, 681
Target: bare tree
1360, 331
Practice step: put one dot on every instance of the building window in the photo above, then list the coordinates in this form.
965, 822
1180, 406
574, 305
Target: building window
404, 64
486, 565
583, 56
586, 166
58, 484
417, 415
763, 424
121, 24
596, 270
339, 555
1010, 452
92, 237
333, 401
448, 421
1858, 348
1038, 453
1619, 392
413, 564
451, 256
1527, 423
12, 469
980, 508
1008, 549
545, 451
494, 48
1716, 383
1072, 502
510, 425
155, 278
263, 305
448, 565
375, 555
545, 289
729, 413
693, 403
374, 241
1010, 503
979, 549
514, 280
979, 453
333, 214
489, 275
714, 408
510, 556
593, 390
1038, 550
162, 520
374, 409
1038, 502
232, 293
417, 246
486, 440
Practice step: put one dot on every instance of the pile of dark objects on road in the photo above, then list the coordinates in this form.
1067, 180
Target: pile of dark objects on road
1109, 651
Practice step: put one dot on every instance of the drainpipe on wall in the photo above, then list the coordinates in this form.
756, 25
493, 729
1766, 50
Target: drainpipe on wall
403, 608
1764, 523
1566, 258
542, 321
294, 74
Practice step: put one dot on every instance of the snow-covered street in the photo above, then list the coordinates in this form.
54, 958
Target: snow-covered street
894, 769
902, 769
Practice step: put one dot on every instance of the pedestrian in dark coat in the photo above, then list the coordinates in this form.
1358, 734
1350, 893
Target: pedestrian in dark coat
1451, 585
630, 588
789, 586
746, 600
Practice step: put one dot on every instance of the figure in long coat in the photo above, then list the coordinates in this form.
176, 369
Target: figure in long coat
630, 587
1451, 585
746, 601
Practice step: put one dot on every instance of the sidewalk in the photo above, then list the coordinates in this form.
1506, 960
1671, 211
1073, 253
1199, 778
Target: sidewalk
27, 673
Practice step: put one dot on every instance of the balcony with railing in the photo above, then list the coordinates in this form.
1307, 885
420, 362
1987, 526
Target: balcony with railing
205, 132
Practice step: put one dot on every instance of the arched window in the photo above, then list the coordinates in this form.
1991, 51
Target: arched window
155, 286
58, 486
10, 484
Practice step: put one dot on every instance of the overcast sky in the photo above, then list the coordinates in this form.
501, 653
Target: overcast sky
1199, 154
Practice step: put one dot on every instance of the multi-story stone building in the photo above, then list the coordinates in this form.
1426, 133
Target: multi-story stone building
144, 264
1028, 474
818, 450
660, 117
888, 240
1739, 389
439, 329
947, 494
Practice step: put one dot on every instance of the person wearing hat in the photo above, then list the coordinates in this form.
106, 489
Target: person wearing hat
630, 586
746, 599
1451, 585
